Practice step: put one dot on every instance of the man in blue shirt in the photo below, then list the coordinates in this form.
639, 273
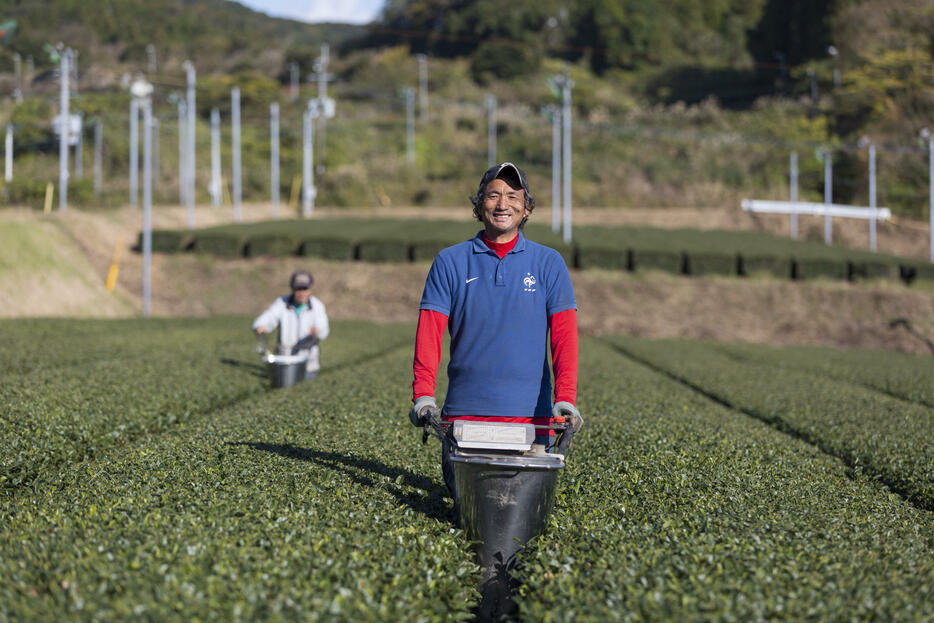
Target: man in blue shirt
499, 294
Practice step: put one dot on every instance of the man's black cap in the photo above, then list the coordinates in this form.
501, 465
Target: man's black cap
300, 280
507, 171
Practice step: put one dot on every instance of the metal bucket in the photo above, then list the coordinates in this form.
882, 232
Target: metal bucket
505, 500
286, 370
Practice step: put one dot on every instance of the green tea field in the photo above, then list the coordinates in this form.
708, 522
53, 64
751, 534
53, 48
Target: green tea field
149, 472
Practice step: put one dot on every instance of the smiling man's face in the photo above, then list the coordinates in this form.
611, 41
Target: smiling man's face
503, 210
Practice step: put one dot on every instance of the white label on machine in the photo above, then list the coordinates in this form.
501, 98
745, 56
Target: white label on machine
494, 435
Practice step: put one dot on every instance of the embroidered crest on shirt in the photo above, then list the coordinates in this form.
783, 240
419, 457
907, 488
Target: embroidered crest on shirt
529, 282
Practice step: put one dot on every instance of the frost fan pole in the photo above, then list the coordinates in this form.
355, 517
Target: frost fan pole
65, 71
147, 206
98, 160
215, 157
134, 152
793, 194
190, 164
828, 195
235, 139
8, 151
274, 158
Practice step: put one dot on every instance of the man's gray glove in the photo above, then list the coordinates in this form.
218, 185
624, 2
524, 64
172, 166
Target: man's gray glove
570, 412
420, 410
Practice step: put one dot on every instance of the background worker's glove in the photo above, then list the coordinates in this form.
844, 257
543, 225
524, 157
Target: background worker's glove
566, 409
421, 408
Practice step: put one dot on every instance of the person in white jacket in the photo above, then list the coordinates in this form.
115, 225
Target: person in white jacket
302, 322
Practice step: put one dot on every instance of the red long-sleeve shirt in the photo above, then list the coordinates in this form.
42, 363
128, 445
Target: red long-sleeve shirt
562, 327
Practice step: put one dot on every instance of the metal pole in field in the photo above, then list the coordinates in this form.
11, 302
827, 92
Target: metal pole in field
872, 196
98, 156
79, 148
65, 72
8, 152
308, 159
134, 152
147, 206
215, 157
491, 129
151, 57
423, 86
828, 195
182, 151
793, 193
293, 81
235, 115
274, 158
568, 84
322, 98
18, 85
156, 171
191, 130
410, 124
931, 191
555, 168
74, 67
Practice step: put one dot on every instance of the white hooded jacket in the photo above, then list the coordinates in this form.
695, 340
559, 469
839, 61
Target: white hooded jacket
293, 326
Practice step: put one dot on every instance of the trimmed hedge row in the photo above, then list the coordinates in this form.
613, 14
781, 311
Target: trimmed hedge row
319, 503
674, 508
872, 431
910, 377
678, 251
85, 392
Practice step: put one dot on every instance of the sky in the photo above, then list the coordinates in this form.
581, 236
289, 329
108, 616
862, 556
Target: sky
348, 11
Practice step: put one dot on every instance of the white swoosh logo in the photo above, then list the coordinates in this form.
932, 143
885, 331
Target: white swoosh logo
472, 279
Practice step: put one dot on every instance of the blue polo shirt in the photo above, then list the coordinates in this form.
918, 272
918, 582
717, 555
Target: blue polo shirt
498, 313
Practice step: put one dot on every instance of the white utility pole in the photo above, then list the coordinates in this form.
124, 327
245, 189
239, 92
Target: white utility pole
793, 193
931, 191
491, 129
8, 152
156, 171
410, 124
274, 158
79, 148
215, 157
423, 87
323, 77
872, 196
65, 116
191, 129
828, 195
309, 191
293, 81
98, 156
182, 151
566, 85
147, 206
134, 151
555, 168
235, 117
151, 57
18, 84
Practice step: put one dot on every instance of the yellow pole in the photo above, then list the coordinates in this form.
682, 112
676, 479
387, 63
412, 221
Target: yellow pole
296, 188
114, 266
225, 194
49, 191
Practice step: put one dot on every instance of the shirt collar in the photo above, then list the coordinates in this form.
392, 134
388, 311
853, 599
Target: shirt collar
480, 247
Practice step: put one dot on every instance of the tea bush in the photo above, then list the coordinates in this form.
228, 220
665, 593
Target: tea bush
318, 502
102, 383
872, 432
678, 251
